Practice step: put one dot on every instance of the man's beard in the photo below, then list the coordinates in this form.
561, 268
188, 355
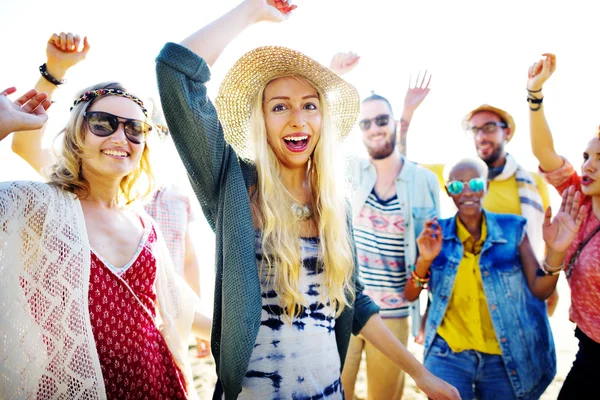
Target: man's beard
495, 156
383, 152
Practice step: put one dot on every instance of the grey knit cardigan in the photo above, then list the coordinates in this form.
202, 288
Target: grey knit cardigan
221, 182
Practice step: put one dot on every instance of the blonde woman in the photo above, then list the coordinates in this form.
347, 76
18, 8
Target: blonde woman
286, 294
91, 307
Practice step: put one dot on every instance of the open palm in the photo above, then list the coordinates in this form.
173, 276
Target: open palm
560, 232
417, 93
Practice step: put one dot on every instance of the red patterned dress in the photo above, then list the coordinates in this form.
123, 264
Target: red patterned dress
135, 360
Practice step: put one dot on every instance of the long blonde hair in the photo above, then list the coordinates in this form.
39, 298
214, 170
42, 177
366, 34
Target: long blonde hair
66, 173
280, 229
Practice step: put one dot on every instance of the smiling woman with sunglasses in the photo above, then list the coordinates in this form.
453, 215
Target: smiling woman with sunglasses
487, 331
91, 305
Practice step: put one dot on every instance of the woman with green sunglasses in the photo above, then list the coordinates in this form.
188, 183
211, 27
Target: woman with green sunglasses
487, 330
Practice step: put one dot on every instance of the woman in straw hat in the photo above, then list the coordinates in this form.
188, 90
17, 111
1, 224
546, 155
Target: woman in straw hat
582, 259
287, 296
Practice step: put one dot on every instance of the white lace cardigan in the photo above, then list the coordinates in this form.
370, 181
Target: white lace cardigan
47, 349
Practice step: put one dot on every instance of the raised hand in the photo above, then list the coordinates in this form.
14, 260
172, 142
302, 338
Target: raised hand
65, 50
417, 93
541, 71
342, 63
26, 113
429, 241
271, 10
436, 389
560, 232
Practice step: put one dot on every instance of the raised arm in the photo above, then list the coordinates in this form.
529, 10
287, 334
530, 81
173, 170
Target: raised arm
63, 51
182, 72
210, 41
542, 143
412, 100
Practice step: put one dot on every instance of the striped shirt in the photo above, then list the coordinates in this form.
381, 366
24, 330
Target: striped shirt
379, 235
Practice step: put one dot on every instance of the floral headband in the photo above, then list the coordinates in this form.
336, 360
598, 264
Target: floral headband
90, 95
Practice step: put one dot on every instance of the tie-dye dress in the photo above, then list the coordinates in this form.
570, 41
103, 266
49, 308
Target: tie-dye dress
297, 360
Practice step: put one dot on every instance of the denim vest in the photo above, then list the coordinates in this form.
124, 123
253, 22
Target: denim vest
519, 318
418, 194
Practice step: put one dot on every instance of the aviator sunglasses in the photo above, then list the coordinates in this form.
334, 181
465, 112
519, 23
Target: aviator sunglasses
456, 187
380, 120
103, 124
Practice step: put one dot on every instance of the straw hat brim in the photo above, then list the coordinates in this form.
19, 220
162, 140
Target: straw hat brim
253, 71
501, 113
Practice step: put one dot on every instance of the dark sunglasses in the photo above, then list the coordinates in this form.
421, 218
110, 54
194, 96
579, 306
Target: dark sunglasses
103, 124
487, 128
380, 120
456, 187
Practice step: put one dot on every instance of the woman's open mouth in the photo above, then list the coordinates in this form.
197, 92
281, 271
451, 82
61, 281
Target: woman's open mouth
296, 143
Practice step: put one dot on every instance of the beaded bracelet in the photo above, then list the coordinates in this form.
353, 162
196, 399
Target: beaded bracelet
417, 280
546, 270
50, 78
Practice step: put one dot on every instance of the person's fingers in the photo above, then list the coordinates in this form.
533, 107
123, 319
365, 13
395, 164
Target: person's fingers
26, 97
70, 42
428, 81
55, 40
548, 216
76, 42
576, 204
63, 41
46, 104
563, 202
8, 91
581, 215
86, 45
34, 102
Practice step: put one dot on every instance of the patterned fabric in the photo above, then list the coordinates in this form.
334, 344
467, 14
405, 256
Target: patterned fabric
584, 279
48, 349
297, 360
379, 234
171, 209
467, 324
221, 182
531, 202
135, 360
419, 197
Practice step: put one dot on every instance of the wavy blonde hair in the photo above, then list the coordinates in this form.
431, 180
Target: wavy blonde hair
66, 173
280, 229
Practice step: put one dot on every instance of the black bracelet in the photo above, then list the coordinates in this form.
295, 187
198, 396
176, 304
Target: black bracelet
536, 103
533, 91
49, 77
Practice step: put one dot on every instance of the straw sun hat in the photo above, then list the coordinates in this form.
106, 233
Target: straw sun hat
258, 67
506, 117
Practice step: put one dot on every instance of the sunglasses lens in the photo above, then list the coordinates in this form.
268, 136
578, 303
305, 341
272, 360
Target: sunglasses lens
365, 124
136, 131
101, 124
476, 184
382, 120
455, 187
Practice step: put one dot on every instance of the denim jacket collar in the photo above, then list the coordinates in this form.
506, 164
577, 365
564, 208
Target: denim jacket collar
494, 232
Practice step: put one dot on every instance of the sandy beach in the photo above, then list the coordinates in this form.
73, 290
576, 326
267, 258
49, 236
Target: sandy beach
566, 348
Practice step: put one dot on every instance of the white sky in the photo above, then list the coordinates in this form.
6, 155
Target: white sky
478, 52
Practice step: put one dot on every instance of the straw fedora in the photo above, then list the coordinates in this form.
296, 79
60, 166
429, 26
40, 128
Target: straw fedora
258, 67
506, 117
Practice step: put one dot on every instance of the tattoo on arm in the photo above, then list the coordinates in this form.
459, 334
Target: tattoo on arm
402, 135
